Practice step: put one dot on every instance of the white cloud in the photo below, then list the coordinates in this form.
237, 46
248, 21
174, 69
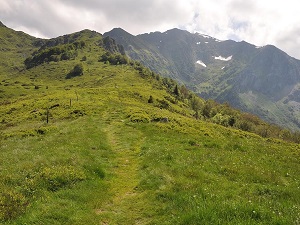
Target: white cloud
258, 22
255, 21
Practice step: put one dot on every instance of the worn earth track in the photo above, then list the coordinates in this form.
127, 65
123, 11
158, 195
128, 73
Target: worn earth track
126, 205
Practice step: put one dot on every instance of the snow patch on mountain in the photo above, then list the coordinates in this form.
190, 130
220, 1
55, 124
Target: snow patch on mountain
201, 63
203, 35
223, 58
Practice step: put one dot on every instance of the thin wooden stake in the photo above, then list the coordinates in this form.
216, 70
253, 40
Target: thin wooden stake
47, 115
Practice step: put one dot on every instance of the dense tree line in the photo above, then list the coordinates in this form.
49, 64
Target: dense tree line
114, 59
54, 54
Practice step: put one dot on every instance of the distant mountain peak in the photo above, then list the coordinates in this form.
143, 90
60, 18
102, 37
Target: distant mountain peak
119, 31
176, 30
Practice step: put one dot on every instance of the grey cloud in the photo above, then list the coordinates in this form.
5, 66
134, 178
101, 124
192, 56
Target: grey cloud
242, 6
290, 41
40, 16
142, 16
133, 15
250, 20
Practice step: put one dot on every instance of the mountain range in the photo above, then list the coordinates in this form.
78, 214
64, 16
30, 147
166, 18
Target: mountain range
262, 80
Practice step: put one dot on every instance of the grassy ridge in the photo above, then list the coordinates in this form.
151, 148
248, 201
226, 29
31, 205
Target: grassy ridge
108, 156
109, 163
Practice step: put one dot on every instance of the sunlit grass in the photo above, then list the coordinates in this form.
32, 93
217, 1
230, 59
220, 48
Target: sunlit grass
200, 180
107, 156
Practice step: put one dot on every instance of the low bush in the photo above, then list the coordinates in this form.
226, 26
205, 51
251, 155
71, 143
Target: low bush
57, 177
76, 71
12, 204
138, 116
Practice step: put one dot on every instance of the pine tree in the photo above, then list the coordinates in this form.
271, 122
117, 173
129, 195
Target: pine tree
176, 91
150, 100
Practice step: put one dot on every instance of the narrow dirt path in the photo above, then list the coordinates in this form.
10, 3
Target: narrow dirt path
126, 204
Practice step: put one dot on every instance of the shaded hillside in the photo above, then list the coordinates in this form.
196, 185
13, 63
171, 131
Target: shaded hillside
15, 47
118, 144
144, 52
260, 80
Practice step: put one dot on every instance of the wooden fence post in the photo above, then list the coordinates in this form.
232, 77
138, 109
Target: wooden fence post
47, 115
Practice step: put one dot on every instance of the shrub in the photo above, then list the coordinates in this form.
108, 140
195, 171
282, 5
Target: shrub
114, 59
245, 126
137, 116
140, 117
150, 100
12, 204
221, 119
209, 108
163, 104
76, 71
57, 177
196, 104
66, 56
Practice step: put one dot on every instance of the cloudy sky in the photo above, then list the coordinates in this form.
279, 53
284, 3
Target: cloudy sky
259, 22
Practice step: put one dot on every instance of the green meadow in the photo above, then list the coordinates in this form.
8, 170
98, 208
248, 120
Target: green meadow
94, 149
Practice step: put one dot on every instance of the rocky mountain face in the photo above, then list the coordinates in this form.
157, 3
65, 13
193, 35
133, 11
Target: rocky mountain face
261, 80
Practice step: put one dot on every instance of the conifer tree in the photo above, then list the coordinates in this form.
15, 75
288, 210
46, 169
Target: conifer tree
150, 100
176, 91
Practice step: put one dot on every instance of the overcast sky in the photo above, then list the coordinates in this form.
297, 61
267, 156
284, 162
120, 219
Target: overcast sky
259, 22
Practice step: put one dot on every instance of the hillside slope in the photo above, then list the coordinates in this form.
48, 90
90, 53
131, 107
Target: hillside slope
15, 47
261, 80
92, 148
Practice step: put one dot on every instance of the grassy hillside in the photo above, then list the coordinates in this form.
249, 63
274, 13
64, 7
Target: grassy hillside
109, 155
